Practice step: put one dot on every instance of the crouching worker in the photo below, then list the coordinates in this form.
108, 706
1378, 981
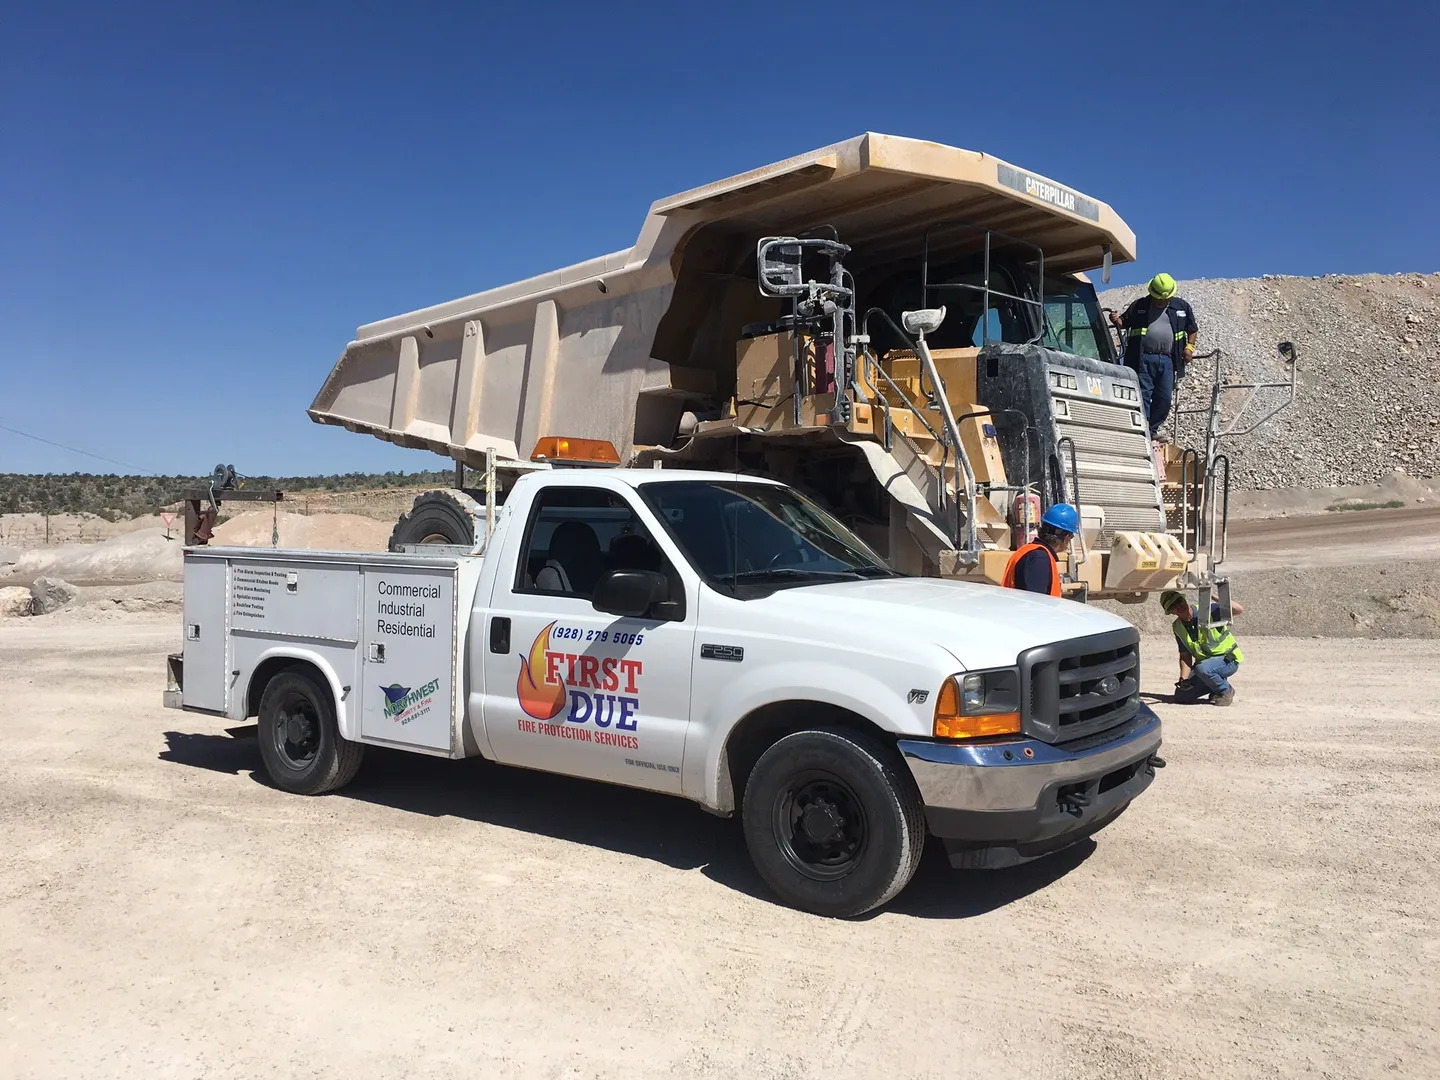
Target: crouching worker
1035, 567
1209, 657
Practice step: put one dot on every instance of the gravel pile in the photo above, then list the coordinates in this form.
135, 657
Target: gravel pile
1368, 397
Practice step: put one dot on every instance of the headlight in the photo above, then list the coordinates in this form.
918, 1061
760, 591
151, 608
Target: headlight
979, 703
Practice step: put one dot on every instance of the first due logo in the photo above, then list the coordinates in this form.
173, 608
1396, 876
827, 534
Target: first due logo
403, 704
599, 695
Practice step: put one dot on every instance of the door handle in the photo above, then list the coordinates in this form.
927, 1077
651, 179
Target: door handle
500, 634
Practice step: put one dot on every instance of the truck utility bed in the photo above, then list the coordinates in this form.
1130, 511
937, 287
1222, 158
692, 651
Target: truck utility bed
387, 626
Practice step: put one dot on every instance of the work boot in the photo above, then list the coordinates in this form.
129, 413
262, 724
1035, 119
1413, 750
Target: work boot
1223, 699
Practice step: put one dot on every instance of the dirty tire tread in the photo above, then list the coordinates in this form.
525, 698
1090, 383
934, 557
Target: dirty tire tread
449, 511
902, 797
337, 760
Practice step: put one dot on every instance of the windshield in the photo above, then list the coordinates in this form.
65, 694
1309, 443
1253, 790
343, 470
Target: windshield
747, 539
1072, 319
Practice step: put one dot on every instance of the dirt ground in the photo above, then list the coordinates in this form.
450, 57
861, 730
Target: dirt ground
1341, 538
1266, 909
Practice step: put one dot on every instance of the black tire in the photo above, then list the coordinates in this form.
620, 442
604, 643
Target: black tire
860, 792
438, 517
300, 742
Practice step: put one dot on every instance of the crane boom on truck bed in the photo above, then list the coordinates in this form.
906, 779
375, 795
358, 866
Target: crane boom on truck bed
939, 448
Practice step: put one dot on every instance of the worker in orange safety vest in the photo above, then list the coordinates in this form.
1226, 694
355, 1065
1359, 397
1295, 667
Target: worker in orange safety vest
1035, 566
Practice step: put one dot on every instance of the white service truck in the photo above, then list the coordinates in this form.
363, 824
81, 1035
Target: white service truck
711, 636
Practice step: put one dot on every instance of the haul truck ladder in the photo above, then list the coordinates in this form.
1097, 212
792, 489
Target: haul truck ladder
1197, 483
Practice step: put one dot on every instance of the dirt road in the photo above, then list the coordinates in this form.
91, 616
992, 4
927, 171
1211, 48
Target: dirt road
1339, 538
1268, 909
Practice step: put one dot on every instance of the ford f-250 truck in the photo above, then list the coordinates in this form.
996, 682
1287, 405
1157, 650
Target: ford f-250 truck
708, 635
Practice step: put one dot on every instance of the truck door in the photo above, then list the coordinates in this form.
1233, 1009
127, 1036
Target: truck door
570, 689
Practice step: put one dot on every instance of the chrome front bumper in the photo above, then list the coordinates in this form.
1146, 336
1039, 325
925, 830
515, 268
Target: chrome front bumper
1028, 796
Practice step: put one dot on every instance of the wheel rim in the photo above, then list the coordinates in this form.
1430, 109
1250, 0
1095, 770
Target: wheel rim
296, 734
820, 826
436, 538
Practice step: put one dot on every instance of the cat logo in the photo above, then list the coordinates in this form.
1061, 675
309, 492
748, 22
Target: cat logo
1093, 385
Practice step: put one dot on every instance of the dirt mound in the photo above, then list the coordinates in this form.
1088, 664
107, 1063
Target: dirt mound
1368, 401
98, 603
315, 532
143, 555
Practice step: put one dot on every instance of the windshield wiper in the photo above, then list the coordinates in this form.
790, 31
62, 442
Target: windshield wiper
789, 571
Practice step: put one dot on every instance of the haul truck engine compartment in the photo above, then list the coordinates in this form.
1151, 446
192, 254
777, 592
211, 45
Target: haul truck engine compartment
707, 635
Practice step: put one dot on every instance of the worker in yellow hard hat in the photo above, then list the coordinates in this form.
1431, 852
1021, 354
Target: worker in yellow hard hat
1159, 332
1209, 657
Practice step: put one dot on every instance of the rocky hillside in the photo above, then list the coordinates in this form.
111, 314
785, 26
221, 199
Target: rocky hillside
1369, 378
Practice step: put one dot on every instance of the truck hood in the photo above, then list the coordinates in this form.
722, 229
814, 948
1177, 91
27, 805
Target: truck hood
982, 626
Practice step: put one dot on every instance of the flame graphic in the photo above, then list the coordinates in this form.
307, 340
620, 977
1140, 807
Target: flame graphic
540, 699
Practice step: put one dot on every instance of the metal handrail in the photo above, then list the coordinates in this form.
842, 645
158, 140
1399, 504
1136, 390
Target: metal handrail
984, 287
972, 544
928, 367
1026, 431
1224, 527
1074, 492
1190, 494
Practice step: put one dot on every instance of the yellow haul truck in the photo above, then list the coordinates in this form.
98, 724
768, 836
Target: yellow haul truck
903, 330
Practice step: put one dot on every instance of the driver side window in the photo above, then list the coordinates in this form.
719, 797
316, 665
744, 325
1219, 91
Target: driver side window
576, 535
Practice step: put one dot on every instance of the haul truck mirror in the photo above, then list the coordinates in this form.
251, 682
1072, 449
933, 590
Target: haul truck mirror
780, 271
1287, 351
1105, 265
779, 267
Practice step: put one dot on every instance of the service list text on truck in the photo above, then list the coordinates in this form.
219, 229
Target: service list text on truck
712, 636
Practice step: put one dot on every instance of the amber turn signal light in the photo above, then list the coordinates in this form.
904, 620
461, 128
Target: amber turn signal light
951, 724
563, 448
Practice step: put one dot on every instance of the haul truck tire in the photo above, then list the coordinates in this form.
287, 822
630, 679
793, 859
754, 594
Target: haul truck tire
300, 742
833, 822
438, 517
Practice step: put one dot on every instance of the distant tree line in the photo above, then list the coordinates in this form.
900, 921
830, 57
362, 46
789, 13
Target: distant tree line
114, 497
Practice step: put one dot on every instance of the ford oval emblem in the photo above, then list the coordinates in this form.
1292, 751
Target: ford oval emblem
1109, 686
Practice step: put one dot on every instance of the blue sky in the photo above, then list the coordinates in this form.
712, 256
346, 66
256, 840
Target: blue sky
200, 202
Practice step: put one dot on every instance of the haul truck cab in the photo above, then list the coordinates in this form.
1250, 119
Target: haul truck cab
716, 637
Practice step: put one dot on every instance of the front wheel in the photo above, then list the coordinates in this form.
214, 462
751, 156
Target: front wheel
300, 741
833, 822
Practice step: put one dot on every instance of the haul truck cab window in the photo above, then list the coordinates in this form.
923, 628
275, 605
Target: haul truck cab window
1072, 319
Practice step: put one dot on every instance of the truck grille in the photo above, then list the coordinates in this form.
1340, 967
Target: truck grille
1074, 689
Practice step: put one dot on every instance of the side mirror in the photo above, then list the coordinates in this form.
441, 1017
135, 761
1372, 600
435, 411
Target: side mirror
778, 265
1287, 351
630, 593
1105, 266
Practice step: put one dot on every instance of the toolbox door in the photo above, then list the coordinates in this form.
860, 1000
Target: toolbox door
407, 692
206, 674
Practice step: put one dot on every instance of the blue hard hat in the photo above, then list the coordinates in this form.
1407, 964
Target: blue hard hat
1062, 516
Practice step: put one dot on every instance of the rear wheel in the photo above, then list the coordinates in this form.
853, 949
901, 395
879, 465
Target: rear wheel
438, 517
833, 822
300, 741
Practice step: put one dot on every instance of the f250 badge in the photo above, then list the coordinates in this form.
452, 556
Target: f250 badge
600, 690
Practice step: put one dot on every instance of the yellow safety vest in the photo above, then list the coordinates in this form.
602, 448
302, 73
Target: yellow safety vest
1215, 640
